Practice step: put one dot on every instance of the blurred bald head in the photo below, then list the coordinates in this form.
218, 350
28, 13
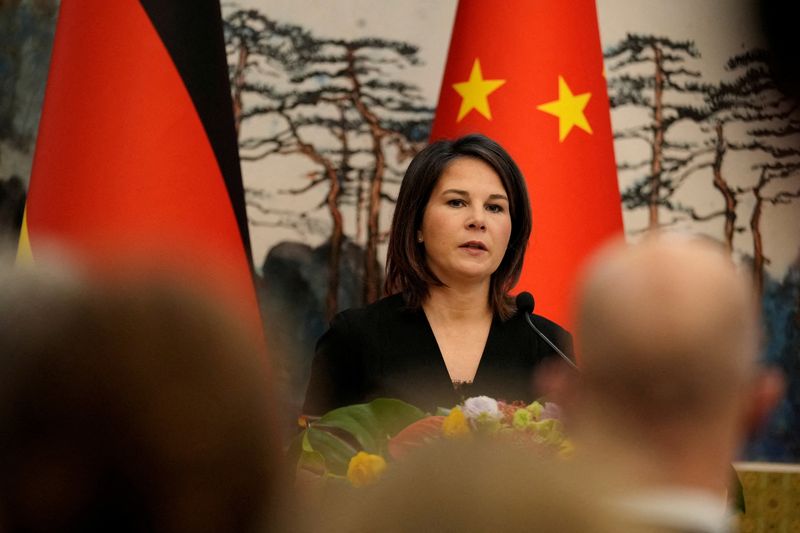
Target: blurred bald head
668, 328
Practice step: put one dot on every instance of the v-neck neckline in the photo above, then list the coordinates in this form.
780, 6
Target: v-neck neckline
440, 362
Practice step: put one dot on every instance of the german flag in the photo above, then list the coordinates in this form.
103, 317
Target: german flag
136, 158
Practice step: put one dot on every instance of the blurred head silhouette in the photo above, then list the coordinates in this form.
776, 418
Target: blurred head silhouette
481, 485
128, 407
669, 340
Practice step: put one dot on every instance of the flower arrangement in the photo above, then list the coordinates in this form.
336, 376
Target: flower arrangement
359, 442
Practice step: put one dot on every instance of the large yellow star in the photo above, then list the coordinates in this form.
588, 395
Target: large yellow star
475, 92
569, 110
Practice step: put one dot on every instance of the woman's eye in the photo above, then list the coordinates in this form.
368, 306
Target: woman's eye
456, 202
494, 208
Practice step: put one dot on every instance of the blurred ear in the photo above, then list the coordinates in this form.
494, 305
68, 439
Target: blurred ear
767, 391
556, 381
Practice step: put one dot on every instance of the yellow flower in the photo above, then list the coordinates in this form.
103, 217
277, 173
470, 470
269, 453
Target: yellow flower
566, 449
455, 424
522, 419
535, 409
548, 431
365, 469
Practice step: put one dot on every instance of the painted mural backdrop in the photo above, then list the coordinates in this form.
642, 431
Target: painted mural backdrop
705, 142
26, 37
332, 99
331, 102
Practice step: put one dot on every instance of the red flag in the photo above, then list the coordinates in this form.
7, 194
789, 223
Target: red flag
529, 74
136, 157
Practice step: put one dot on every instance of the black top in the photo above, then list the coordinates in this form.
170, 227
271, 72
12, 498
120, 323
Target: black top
387, 350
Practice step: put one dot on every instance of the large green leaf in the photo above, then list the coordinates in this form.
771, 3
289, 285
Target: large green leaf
320, 452
295, 448
302, 458
313, 461
371, 424
335, 451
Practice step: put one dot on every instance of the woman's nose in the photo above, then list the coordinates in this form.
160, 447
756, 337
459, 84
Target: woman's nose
477, 220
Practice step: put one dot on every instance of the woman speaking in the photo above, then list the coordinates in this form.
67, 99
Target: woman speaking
449, 328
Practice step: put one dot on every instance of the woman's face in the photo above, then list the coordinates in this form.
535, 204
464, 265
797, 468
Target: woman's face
466, 224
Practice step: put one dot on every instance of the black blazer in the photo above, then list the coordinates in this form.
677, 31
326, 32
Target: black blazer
387, 350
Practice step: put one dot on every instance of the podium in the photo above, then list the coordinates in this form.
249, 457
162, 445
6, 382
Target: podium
772, 497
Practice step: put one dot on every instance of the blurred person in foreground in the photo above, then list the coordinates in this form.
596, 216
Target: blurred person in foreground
478, 486
669, 385
136, 407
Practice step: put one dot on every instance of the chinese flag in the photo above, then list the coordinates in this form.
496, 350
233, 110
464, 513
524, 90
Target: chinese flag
136, 160
529, 74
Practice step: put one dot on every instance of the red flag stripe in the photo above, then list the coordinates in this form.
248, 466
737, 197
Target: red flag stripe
123, 167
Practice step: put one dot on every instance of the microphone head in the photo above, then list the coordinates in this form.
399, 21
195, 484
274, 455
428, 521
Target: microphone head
525, 302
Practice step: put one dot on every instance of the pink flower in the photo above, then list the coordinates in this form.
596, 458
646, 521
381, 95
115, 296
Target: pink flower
551, 410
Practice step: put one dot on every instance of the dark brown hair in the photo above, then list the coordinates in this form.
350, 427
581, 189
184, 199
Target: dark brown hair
406, 268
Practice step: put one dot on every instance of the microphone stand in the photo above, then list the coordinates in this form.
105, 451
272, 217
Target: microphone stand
553, 346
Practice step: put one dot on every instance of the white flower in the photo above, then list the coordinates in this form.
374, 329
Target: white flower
481, 408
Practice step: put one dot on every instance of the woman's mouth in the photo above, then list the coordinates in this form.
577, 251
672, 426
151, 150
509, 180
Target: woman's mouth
474, 246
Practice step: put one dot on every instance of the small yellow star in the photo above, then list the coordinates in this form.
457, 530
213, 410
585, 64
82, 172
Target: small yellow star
475, 92
569, 110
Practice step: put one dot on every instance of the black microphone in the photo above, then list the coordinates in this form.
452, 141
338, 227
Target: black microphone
525, 305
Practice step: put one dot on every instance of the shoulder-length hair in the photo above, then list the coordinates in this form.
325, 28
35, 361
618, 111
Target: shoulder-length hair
407, 270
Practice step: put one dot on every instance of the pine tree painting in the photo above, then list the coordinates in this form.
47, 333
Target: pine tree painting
327, 123
718, 156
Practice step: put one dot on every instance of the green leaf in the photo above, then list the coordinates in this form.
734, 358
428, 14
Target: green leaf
314, 462
395, 415
301, 453
295, 448
335, 452
371, 424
